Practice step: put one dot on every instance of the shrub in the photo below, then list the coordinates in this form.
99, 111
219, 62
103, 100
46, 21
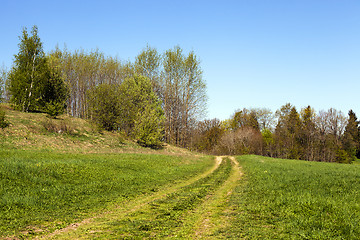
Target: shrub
59, 126
3, 122
54, 109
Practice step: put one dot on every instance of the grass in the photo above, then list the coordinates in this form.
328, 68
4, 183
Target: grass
45, 190
289, 199
161, 218
35, 131
58, 172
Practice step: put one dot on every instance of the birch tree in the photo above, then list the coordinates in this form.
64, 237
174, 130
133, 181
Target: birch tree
28, 73
35, 82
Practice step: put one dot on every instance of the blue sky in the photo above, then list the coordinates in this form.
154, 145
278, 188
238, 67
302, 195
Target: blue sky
253, 53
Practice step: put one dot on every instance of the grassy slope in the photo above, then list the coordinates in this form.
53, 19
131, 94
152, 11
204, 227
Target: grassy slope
66, 134
288, 199
47, 182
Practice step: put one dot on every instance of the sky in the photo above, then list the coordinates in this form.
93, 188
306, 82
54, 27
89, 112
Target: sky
253, 53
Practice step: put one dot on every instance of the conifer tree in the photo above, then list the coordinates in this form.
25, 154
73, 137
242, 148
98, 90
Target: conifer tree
350, 139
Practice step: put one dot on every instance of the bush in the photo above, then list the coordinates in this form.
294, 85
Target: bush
104, 106
59, 126
54, 109
342, 156
3, 122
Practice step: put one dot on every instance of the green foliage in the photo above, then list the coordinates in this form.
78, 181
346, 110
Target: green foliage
49, 190
132, 107
289, 199
54, 108
56, 92
245, 118
34, 85
29, 73
148, 129
351, 137
105, 106
144, 115
3, 122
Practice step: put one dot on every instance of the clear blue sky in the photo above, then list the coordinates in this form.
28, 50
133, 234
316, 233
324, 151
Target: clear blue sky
253, 53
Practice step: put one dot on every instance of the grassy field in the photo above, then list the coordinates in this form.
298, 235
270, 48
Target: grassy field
289, 199
43, 190
63, 179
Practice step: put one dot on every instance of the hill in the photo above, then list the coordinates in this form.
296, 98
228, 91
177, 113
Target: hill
36, 131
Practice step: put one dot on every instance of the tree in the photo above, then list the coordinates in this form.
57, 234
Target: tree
351, 136
55, 91
142, 115
104, 106
131, 107
34, 85
147, 64
184, 94
148, 129
309, 136
268, 139
83, 71
28, 75
265, 118
208, 135
287, 132
245, 118
3, 80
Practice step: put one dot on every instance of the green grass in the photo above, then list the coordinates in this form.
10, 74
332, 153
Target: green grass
289, 199
164, 217
47, 190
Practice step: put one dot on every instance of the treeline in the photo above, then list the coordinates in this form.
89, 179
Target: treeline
328, 136
176, 79
161, 97
164, 88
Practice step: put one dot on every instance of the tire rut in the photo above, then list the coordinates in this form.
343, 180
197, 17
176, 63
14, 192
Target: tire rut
209, 217
131, 206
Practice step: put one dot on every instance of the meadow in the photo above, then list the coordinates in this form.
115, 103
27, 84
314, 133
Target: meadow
59, 173
46, 190
290, 199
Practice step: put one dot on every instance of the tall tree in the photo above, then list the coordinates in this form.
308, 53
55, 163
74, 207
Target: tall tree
29, 72
184, 94
3, 80
148, 64
35, 83
351, 137
82, 71
309, 136
287, 132
245, 118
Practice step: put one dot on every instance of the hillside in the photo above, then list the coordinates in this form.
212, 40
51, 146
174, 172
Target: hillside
67, 134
